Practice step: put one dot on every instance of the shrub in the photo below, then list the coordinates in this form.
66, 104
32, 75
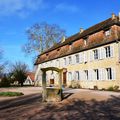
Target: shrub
70, 86
110, 88
5, 82
75, 84
116, 87
95, 87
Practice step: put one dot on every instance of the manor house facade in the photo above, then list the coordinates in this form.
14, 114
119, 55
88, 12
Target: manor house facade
91, 57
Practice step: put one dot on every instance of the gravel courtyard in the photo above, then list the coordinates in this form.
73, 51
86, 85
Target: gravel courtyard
79, 104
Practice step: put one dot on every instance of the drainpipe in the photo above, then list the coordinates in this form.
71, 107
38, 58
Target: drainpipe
118, 42
116, 30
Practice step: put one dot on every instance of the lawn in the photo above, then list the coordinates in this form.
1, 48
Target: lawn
11, 94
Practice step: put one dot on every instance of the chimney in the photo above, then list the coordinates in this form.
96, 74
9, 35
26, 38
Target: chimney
119, 16
113, 16
81, 30
63, 39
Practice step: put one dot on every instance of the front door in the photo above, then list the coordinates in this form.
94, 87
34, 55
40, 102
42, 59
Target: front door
64, 78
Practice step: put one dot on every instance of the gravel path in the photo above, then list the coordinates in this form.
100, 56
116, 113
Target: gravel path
79, 104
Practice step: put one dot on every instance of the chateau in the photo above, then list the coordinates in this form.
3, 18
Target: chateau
91, 57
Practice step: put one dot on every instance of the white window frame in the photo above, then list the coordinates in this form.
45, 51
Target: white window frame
107, 51
65, 61
70, 60
77, 75
96, 73
109, 74
107, 33
77, 58
70, 76
96, 54
86, 74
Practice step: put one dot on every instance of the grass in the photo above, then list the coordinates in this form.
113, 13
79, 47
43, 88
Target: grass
11, 94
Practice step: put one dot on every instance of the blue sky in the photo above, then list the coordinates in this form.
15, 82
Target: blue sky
18, 15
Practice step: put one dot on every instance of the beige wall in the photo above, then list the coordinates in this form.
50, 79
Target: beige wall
112, 62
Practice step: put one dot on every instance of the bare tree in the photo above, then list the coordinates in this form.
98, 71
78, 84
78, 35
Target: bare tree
2, 65
41, 37
19, 72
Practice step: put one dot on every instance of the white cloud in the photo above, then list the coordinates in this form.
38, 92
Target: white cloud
21, 8
66, 7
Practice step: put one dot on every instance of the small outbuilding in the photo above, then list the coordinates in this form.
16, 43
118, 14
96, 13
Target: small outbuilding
30, 78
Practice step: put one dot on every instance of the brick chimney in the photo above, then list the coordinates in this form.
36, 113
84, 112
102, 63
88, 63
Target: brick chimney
119, 16
113, 16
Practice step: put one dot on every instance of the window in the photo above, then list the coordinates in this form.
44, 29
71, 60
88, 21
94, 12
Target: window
107, 51
70, 60
57, 63
77, 77
95, 54
85, 41
77, 58
107, 33
70, 76
70, 46
96, 74
65, 61
109, 73
86, 74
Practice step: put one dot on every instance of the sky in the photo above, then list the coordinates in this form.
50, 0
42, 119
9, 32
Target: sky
16, 16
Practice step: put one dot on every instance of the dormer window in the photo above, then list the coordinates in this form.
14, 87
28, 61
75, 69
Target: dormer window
46, 54
107, 33
58, 49
70, 46
85, 41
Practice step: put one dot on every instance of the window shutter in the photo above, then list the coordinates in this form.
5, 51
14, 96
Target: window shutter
104, 74
113, 74
93, 75
91, 55
80, 57
100, 53
103, 53
67, 61
111, 51
61, 62
73, 57
85, 57
72, 75
89, 74
82, 75
101, 74
79, 75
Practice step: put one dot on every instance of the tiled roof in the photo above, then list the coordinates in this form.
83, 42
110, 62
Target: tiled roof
31, 75
100, 26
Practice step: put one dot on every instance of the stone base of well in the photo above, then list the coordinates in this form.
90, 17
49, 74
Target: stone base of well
53, 94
